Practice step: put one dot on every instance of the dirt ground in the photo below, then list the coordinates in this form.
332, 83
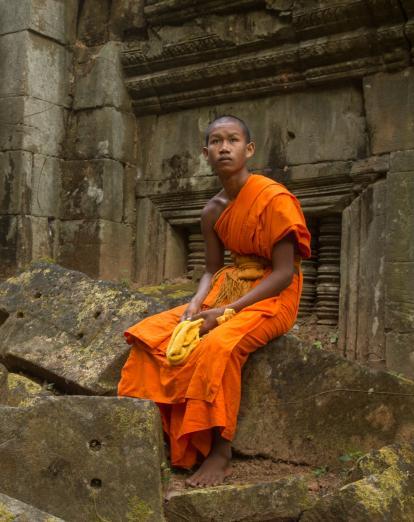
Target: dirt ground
317, 335
258, 470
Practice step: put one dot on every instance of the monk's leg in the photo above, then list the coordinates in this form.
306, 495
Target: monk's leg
216, 467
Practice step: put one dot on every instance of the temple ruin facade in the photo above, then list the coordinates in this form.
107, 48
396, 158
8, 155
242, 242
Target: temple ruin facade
103, 108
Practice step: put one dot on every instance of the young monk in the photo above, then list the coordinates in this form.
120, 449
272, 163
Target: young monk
262, 224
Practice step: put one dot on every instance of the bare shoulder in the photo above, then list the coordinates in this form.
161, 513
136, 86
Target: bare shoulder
214, 207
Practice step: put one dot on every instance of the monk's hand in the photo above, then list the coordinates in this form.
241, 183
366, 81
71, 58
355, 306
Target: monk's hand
210, 319
191, 310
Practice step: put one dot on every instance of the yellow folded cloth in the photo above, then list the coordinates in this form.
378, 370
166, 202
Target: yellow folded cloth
184, 339
186, 336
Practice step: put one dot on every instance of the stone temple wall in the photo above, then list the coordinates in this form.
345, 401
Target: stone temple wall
102, 115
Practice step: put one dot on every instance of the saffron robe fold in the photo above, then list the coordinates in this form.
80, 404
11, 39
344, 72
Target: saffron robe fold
204, 392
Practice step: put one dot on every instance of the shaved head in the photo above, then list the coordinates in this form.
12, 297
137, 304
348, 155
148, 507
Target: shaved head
228, 118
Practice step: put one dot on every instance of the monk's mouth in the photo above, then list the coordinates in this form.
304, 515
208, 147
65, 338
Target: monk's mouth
225, 159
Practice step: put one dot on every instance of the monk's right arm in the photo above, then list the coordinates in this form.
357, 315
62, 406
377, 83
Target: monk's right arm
214, 258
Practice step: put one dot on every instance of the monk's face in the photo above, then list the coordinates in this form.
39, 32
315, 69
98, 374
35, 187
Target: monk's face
227, 149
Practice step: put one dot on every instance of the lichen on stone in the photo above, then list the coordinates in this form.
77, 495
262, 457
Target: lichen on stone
5, 514
138, 510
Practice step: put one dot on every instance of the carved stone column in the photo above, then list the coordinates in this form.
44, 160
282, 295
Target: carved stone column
310, 270
328, 278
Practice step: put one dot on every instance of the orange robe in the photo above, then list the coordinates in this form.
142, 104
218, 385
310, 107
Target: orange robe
204, 392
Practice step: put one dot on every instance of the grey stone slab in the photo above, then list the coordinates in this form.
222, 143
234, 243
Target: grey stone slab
307, 405
99, 79
400, 353
371, 281
32, 125
15, 169
83, 458
93, 22
389, 107
349, 270
44, 186
13, 510
130, 181
3, 375
384, 491
67, 328
399, 277
402, 161
318, 171
55, 19
278, 500
35, 66
103, 133
8, 245
126, 16
93, 189
99, 248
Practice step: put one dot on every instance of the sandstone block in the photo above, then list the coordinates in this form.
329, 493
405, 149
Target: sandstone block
282, 499
99, 248
35, 66
8, 244
68, 329
15, 168
13, 510
400, 353
126, 16
3, 379
53, 18
402, 161
383, 493
93, 189
103, 133
93, 22
100, 79
32, 125
21, 391
83, 458
389, 106
305, 405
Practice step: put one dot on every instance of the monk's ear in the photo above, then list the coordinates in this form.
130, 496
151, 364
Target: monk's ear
205, 153
250, 149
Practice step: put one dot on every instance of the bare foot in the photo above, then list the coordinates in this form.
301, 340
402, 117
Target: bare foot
215, 468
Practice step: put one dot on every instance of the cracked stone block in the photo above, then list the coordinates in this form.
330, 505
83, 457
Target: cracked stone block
83, 458
36, 66
13, 510
93, 189
66, 328
100, 79
307, 405
55, 19
283, 499
389, 107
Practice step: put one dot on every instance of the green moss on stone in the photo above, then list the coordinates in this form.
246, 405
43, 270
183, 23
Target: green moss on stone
133, 307
136, 423
173, 291
5, 514
15, 380
138, 510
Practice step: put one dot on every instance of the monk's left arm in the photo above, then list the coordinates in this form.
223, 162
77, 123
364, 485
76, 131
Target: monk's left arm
283, 256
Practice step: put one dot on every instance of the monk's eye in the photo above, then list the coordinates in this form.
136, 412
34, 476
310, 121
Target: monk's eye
214, 141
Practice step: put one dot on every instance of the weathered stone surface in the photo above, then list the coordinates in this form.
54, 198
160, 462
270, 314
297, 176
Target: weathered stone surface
100, 248
15, 168
32, 125
305, 405
21, 391
35, 66
127, 16
402, 161
13, 510
384, 492
280, 500
53, 18
104, 452
3, 381
100, 79
8, 245
93, 22
389, 106
103, 133
67, 328
93, 189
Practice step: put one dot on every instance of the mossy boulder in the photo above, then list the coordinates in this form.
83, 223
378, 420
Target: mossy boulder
284, 499
306, 405
67, 328
13, 510
84, 458
384, 492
